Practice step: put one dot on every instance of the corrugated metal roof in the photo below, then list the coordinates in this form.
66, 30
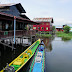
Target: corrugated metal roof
29, 21
3, 5
59, 26
18, 5
43, 19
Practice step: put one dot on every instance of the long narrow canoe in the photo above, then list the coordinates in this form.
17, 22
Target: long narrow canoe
38, 63
22, 59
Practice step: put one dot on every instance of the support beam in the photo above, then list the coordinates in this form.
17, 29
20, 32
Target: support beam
14, 27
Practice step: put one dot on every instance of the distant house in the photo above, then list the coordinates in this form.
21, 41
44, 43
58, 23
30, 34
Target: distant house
59, 28
45, 24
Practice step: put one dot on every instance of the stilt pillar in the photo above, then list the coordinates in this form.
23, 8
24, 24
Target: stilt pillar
14, 28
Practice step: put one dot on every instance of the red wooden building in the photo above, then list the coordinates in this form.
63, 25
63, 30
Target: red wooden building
45, 24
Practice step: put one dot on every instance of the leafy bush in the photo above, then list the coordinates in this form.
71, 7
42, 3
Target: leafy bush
44, 35
66, 29
64, 38
53, 28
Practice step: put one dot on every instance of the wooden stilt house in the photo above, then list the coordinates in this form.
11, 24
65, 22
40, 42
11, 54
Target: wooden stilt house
13, 21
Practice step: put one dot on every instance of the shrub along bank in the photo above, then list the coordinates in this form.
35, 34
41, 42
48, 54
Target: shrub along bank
64, 35
43, 35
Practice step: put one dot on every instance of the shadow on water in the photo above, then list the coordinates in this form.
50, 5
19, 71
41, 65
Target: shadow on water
47, 42
8, 56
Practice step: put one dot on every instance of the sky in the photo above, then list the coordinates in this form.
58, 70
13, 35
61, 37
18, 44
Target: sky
60, 10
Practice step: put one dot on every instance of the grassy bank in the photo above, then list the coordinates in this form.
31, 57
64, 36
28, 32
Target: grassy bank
64, 35
43, 35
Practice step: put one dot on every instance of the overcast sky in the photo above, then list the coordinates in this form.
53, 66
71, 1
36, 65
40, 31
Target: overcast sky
60, 10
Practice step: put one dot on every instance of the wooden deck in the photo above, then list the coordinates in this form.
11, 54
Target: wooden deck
19, 33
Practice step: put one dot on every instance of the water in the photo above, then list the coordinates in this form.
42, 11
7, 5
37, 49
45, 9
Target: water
7, 55
58, 55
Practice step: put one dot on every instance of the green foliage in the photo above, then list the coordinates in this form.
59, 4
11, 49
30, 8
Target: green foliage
46, 32
26, 28
66, 29
65, 36
53, 28
43, 35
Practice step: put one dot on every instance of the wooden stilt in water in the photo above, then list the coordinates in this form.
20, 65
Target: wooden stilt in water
22, 40
31, 39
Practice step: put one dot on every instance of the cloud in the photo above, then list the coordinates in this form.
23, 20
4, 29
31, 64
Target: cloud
64, 1
59, 20
69, 22
9, 1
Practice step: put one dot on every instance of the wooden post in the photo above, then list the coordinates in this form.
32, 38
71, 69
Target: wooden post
14, 27
22, 40
31, 39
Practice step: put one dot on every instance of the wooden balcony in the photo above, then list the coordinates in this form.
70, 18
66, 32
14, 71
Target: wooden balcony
19, 33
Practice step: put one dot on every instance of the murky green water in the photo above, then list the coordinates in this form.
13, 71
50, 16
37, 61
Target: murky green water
58, 55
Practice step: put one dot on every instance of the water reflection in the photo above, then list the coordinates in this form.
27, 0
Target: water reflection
60, 57
48, 45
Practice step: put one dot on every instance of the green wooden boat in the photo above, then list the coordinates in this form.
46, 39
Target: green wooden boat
22, 59
38, 63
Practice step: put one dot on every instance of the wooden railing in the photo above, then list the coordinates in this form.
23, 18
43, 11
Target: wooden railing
5, 34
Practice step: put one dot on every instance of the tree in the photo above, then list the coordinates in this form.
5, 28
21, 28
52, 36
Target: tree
53, 28
66, 29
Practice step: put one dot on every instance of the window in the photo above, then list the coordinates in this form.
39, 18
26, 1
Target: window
42, 27
46, 23
38, 27
46, 28
6, 26
20, 26
34, 27
11, 26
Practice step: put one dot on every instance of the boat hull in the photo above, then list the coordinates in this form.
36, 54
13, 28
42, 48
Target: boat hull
38, 63
24, 57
